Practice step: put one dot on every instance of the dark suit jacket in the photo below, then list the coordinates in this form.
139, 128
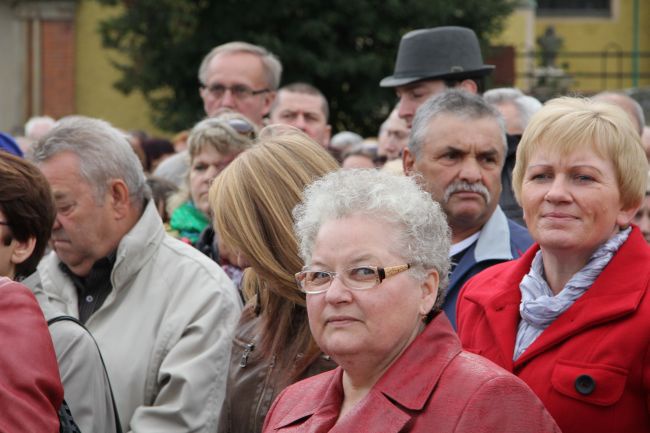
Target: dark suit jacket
501, 240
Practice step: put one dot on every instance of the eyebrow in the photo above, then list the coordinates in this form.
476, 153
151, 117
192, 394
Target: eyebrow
593, 167
59, 195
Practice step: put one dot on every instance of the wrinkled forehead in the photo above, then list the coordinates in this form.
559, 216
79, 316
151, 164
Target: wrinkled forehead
487, 130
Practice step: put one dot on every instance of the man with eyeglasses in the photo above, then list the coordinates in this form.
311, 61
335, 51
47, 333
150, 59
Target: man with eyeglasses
239, 76
235, 76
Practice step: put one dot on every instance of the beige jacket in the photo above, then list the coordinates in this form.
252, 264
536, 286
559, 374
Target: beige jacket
164, 330
85, 384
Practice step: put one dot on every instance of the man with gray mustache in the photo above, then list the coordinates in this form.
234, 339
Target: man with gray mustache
457, 147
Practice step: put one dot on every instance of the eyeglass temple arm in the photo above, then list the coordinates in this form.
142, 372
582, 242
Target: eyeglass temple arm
387, 272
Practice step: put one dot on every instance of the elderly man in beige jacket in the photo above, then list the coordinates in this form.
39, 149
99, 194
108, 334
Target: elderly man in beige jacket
162, 313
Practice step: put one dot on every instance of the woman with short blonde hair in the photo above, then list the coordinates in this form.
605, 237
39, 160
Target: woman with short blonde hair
571, 317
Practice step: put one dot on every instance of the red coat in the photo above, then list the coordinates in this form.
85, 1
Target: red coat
433, 386
591, 366
30, 388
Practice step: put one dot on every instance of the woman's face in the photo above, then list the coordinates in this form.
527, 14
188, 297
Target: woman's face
572, 203
206, 165
377, 323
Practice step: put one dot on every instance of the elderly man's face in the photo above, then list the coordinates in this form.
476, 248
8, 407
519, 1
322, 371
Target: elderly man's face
84, 228
305, 112
461, 162
242, 70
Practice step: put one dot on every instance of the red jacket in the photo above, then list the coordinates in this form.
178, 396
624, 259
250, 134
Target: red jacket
591, 366
30, 388
433, 386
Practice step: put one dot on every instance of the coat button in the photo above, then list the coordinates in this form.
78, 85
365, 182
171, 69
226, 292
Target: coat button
585, 384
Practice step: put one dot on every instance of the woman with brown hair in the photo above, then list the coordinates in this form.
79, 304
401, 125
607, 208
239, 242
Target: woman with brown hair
252, 201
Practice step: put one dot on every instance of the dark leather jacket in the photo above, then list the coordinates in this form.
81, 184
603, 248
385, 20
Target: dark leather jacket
254, 382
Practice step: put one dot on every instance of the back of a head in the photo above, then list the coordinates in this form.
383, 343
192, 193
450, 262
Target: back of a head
103, 151
252, 200
567, 124
37, 126
271, 63
627, 104
454, 102
344, 140
524, 105
27, 205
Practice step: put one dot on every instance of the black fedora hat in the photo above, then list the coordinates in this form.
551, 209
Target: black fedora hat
441, 53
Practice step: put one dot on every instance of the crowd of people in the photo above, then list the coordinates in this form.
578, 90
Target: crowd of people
483, 265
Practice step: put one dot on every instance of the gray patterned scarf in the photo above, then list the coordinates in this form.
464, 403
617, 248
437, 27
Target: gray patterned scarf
539, 307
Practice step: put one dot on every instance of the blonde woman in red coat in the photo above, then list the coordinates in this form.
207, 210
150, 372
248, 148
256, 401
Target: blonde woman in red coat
376, 250
572, 316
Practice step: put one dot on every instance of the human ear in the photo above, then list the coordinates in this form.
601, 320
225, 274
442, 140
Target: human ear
468, 85
407, 161
625, 216
22, 250
119, 197
429, 291
269, 97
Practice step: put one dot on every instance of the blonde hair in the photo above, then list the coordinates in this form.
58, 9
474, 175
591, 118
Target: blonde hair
252, 201
566, 124
217, 133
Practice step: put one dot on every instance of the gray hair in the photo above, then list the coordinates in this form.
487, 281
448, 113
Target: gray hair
424, 234
627, 103
454, 102
525, 105
103, 151
36, 124
270, 62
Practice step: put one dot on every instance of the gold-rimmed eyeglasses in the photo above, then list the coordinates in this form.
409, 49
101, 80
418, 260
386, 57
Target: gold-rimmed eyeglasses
313, 282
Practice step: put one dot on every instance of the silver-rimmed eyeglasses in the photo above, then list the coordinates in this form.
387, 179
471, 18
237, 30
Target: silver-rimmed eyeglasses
313, 282
238, 91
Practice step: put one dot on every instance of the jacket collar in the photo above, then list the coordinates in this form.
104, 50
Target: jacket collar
614, 296
494, 241
138, 246
135, 248
493, 244
425, 360
616, 292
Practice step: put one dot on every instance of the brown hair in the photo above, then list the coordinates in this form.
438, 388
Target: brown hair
27, 204
252, 201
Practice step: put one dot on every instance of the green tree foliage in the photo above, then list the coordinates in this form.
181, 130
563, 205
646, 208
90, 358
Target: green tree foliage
343, 47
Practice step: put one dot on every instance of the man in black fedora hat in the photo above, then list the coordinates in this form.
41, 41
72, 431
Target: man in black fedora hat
432, 60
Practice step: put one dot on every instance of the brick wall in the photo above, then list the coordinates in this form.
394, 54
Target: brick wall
58, 68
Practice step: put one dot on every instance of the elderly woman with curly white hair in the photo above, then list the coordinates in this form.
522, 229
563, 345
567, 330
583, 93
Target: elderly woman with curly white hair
375, 248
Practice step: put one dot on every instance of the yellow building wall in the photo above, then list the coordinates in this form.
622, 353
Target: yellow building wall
95, 94
585, 34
